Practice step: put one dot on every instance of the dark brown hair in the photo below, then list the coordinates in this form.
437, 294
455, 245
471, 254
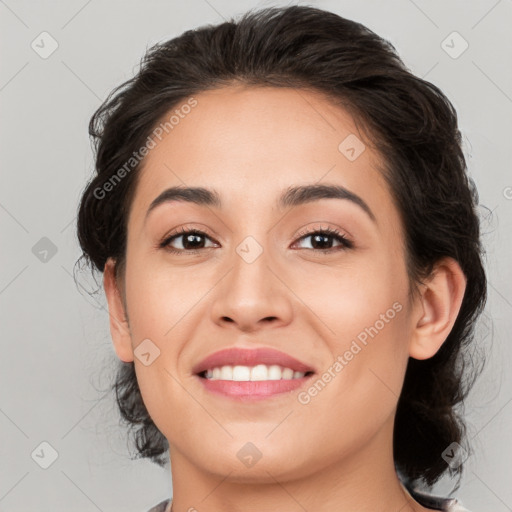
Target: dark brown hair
410, 122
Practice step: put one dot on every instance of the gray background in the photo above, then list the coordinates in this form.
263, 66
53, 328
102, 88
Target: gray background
56, 351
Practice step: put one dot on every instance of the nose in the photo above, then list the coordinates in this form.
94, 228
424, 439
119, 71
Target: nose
253, 295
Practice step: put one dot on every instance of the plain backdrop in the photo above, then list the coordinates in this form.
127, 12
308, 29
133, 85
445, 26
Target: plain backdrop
56, 353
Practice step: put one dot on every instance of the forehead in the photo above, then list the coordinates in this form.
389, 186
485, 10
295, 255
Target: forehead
250, 143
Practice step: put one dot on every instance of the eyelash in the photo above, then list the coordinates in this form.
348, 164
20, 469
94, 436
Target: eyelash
345, 242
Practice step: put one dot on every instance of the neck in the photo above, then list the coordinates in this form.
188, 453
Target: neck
365, 481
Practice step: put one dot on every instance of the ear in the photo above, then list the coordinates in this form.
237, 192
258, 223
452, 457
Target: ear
119, 327
437, 308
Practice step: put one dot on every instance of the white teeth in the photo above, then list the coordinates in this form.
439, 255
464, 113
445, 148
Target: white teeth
259, 372
241, 373
288, 373
274, 372
226, 373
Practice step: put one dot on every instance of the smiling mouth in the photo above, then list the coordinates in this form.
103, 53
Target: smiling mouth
257, 373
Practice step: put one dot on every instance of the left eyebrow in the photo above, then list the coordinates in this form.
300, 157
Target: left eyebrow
292, 196
196, 195
295, 196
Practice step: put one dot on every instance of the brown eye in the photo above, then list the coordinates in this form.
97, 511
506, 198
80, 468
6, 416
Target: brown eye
322, 240
189, 240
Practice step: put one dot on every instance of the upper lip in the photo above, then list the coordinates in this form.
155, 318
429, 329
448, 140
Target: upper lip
250, 357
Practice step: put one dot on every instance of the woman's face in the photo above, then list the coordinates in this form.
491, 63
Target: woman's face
259, 278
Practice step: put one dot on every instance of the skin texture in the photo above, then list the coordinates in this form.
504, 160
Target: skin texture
335, 452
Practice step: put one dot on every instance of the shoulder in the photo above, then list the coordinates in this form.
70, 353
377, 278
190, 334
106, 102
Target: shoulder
436, 502
447, 505
163, 506
454, 505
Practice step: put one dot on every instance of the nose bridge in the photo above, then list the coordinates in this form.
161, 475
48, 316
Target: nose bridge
251, 290
252, 255
251, 266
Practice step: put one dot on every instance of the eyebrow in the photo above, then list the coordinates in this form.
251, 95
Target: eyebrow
292, 196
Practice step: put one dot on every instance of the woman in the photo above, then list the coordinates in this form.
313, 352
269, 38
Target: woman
292, 266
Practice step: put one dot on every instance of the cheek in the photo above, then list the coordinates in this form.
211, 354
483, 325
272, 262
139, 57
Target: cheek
358, 392
162, 305
352, 294
364, 312
160, 297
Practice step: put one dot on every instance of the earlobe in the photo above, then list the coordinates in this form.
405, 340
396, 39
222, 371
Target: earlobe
119, 327
438, 306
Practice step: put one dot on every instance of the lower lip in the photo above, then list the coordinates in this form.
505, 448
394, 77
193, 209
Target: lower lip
252, 390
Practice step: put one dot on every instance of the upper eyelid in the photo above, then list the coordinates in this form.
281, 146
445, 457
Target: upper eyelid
334, 232
182, 231
321, 229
